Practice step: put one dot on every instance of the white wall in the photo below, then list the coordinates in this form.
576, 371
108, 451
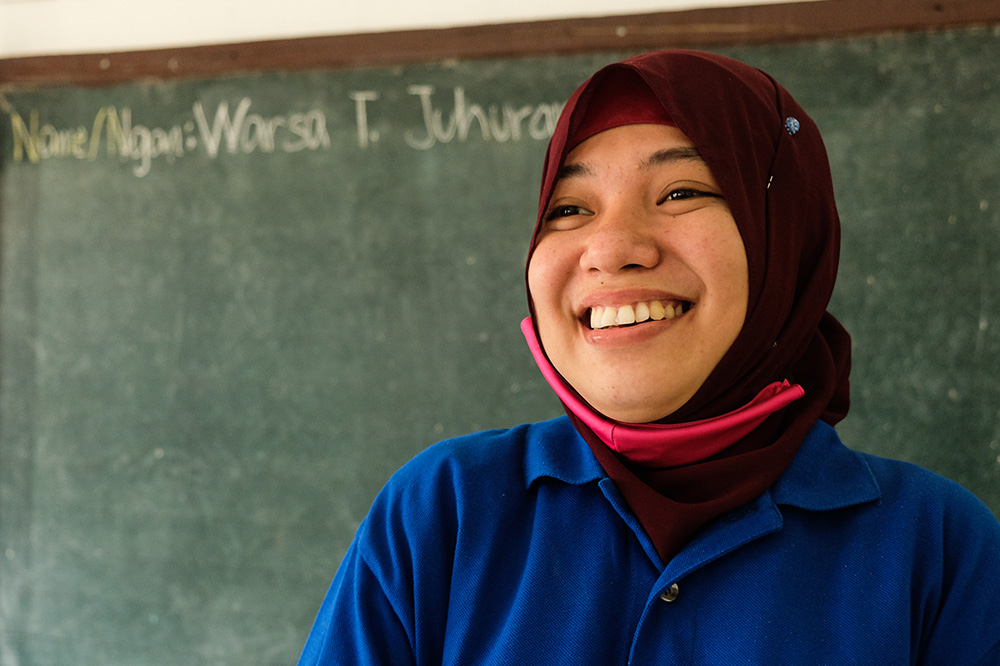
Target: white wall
48, 27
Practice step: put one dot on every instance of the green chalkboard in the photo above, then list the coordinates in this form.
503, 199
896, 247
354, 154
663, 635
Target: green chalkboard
230, 308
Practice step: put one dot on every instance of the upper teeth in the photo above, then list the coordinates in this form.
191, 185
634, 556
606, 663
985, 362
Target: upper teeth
602, 316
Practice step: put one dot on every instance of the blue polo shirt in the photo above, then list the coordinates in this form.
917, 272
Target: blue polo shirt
514, 547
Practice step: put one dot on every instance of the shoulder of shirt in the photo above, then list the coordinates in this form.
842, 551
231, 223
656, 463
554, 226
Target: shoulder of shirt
932, 498
492, 469
827, 475
521, 454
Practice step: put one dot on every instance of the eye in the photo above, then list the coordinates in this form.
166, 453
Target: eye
687, 193
565, 216
565, 210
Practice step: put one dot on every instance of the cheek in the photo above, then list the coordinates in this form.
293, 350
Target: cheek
543, 281
718, 249
536, 284
732, 281
547, 288
731, 272
736, 273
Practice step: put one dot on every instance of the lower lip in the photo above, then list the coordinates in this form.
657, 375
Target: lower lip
628, 335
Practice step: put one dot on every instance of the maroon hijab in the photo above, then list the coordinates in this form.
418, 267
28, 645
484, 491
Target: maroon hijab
770, 162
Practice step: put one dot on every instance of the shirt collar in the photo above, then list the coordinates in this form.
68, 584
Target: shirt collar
556, 450
824, 475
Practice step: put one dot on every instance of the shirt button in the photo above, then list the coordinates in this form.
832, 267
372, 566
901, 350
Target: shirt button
670, 594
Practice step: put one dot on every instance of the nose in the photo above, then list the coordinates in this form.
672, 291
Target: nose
621, 242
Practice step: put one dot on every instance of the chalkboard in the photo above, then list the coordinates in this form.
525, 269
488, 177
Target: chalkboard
230, 308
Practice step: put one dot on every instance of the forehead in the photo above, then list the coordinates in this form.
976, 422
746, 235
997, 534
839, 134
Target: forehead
644, 147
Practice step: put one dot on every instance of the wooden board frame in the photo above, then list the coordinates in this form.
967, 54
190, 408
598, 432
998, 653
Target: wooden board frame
751, 24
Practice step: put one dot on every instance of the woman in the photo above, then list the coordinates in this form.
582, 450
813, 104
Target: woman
695, 506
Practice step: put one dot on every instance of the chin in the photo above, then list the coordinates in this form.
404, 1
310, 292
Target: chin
640, 413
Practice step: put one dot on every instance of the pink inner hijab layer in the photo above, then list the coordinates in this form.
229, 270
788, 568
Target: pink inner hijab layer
666, 445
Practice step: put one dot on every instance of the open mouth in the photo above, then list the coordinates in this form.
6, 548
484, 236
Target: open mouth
601, 316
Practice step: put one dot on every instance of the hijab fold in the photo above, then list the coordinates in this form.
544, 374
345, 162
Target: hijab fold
791, 355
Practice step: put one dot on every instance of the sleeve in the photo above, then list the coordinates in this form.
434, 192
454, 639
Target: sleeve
357, 624
389, 601
993, 657
964, 616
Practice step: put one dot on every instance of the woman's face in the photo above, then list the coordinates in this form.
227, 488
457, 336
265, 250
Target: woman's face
639, 275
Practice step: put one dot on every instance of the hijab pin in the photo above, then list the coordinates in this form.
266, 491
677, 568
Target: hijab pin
792, 125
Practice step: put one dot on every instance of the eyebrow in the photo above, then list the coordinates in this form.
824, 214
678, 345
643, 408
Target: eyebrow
673, 155
660, 157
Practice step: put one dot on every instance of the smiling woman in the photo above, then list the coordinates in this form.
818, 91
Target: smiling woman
684, 255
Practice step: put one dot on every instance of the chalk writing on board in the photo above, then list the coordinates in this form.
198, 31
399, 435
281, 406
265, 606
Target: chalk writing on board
500, 123
245, 132
236, 129
496, 122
